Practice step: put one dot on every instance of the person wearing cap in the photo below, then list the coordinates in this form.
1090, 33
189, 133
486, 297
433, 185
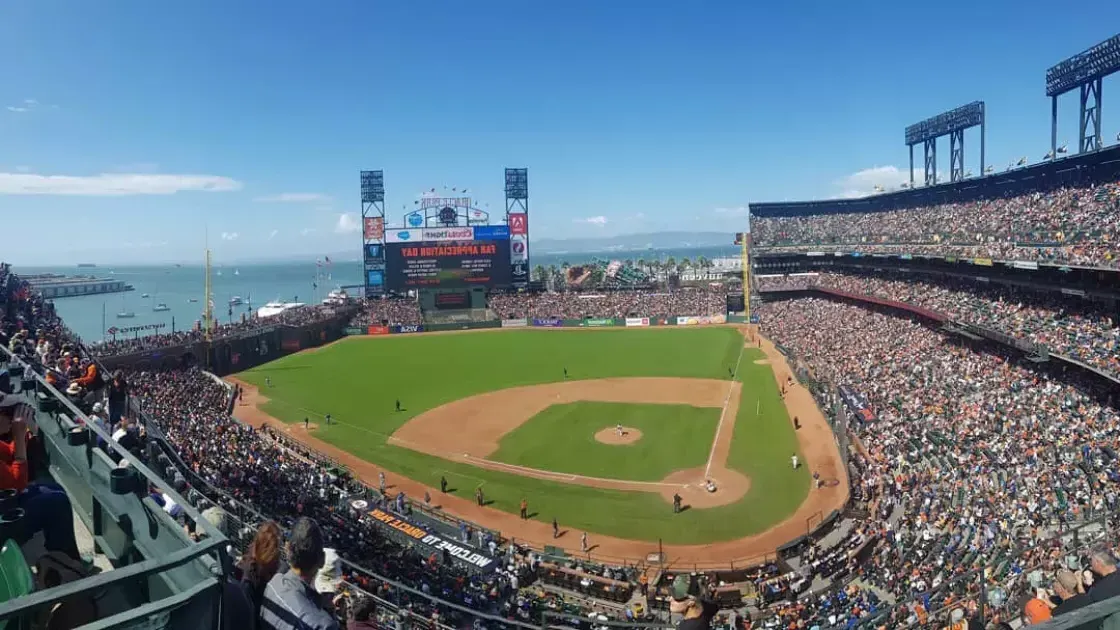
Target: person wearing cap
290, 601
696, 613
46, 508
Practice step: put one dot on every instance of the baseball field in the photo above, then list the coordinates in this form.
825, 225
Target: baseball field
598, 429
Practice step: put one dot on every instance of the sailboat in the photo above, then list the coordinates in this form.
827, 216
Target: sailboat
236, 272
124, 313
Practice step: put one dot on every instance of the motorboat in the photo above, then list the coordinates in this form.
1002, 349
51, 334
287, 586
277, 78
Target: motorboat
236, 301
125, 314
161, 307
277, 307
338, 296
192, 300
144, 295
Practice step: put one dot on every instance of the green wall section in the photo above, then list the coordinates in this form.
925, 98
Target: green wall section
357, 382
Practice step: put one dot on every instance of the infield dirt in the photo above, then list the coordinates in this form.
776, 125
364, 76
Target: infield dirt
815, 439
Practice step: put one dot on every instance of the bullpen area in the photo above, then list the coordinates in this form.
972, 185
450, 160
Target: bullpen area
597, 429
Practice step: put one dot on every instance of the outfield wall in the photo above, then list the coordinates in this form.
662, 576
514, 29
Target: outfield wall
551, 322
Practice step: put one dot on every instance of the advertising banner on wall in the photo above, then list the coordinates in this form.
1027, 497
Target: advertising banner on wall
515, 323
701, 320
427, 235
377, 330
354, 331
491, 232
597, 323
408, 328
551, 322
637, 321
457, 550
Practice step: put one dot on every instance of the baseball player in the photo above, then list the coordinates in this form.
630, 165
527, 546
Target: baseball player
793, 460
268, 381
381, 481
618, 429
398, 404
583, 542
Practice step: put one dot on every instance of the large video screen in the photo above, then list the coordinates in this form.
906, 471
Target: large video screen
446, 265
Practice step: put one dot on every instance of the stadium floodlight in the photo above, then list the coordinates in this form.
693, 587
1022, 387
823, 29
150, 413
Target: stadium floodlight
1083, 71
1096, 63
953, 124
961, 118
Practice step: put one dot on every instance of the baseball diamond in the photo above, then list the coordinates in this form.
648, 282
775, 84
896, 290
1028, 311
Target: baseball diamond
543, 416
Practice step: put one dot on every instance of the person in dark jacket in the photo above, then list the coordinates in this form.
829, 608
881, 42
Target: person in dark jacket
363, 615
118, 397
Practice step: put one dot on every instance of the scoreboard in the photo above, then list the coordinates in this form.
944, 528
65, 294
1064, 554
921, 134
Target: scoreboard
447, 264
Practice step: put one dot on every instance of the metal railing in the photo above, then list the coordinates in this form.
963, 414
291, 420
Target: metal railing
162, 573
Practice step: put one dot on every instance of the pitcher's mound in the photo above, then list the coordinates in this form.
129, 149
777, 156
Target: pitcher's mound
610, 436
730, 486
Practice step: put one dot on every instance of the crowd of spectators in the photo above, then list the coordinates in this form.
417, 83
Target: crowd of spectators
709, 300
388, 312
249, 323
1068, 325
973, 458
1070, 225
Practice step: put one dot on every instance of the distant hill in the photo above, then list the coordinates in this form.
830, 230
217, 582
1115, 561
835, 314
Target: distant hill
633, 242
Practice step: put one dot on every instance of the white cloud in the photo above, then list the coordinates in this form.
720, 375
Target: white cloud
347, 223
293, 198
599, 220
23, 169
25, 106
889, 178
112, 184
306, 231
272, 234
229, 236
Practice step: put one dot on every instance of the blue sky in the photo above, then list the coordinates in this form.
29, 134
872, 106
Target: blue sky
142, 126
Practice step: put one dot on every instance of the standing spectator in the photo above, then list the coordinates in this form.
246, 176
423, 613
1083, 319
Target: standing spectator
290, 602
260, 563
118, 397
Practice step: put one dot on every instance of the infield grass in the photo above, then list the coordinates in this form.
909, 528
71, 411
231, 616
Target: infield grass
358, 380
562, 439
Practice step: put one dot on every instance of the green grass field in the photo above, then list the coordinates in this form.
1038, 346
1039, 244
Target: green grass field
358, 380
562, 438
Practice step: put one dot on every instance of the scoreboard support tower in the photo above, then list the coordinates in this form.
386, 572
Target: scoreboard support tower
373, 232
517, 217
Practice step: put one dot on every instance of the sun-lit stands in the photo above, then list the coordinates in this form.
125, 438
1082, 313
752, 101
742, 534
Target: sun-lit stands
1064, 224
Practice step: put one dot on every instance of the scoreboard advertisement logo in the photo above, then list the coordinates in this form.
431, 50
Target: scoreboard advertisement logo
518, 249
374, 228
519, 224
447, 265
423, 235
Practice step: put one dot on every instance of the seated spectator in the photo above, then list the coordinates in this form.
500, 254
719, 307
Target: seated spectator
363, 614
1106, 580
260, 563
290, 602
46, 507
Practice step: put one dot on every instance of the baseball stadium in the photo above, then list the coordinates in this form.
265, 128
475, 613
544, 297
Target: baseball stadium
888, 411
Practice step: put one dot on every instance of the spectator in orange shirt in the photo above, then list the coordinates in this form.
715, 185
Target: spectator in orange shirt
46, 507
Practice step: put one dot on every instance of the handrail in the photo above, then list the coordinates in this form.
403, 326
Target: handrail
135, 463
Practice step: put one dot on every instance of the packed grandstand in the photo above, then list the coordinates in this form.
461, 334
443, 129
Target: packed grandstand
976, 473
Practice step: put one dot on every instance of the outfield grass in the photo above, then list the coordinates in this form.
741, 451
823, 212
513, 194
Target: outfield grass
357, 382
562, 439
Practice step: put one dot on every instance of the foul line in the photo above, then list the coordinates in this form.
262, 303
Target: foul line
548, 474
723, 412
